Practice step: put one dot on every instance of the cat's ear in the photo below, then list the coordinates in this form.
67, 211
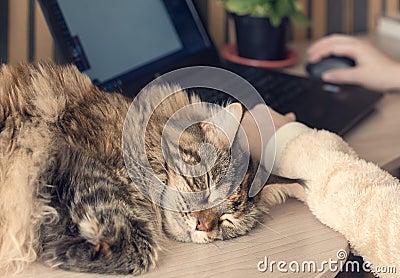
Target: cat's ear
221, 129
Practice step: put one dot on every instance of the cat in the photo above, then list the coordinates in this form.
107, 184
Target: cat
67, 198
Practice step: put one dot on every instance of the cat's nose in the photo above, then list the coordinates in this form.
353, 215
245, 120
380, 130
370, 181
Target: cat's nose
200, 226
206, 221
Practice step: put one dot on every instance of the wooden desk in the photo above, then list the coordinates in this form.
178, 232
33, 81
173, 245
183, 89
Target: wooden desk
290, 233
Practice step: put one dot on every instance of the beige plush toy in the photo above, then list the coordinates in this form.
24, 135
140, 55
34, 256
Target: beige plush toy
348, 194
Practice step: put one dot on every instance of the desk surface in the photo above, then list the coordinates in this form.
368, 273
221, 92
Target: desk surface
290, 233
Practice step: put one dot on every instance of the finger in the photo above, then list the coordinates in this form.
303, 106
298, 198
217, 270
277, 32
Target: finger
261, 111
291, 116
257, 131
343, 47
251, 137
262, 108
249, 123
345, 76
329, 40
348, 50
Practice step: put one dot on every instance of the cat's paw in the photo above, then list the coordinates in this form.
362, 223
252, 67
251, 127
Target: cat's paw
80, 255
146, 258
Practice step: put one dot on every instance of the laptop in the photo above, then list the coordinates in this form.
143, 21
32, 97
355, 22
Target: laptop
122, 45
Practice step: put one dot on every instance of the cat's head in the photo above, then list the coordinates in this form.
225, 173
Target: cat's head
235, 213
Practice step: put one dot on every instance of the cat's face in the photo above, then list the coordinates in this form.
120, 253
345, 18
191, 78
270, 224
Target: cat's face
234, 213
234, 216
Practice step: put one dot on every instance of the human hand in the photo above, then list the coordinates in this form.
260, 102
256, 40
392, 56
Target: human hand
258, 134
373, 68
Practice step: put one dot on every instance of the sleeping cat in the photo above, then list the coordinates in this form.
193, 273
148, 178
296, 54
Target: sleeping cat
66, 197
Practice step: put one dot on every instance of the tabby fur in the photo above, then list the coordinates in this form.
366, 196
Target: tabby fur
66, 198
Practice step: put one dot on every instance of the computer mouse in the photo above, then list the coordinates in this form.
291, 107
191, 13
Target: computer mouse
329, 63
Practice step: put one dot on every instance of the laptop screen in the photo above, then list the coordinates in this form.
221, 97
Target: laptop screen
114, 42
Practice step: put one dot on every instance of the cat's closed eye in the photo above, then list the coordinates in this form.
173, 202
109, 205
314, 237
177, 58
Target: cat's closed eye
227, 220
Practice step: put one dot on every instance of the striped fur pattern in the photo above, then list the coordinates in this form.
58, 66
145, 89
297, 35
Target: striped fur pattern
65, 196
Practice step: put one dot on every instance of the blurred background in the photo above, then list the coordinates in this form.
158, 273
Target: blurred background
24, 35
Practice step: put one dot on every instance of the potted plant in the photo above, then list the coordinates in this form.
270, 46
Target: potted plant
261, 26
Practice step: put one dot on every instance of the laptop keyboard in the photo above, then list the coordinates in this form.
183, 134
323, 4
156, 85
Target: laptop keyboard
276, 88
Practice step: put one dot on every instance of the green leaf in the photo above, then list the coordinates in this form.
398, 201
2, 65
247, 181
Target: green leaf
275, 20
259, 11
240, 7
273, 9
300, 19
283, 8
268, 9
297, 7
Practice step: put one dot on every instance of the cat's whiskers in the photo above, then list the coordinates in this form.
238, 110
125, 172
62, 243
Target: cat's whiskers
260, 223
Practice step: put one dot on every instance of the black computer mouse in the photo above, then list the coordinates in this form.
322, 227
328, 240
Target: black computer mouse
329, 63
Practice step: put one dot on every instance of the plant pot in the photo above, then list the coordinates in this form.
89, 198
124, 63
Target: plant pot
257, 39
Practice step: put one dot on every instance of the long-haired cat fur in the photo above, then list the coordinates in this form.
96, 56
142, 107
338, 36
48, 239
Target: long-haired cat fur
66, 198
